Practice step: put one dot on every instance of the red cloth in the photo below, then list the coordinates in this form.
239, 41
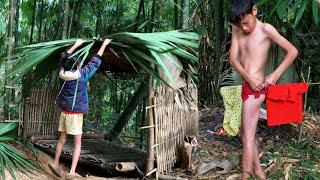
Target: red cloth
246, 91
284, 103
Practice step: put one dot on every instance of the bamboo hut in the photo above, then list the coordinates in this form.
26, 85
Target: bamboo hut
167, 58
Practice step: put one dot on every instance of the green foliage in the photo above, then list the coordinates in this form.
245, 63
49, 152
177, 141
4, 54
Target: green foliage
139, 49
10, 158
290, 11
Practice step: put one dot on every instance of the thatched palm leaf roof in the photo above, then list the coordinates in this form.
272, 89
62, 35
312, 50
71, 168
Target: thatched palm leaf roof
127, 52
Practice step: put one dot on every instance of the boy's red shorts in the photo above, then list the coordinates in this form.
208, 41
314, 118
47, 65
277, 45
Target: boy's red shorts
247, 90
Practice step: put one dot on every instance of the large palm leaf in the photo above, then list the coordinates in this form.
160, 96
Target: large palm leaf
140, 49
10, 158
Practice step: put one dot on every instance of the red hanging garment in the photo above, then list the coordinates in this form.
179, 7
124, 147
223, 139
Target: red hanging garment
284, 103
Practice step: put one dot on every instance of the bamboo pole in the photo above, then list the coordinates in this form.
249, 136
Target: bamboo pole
151, 135
45, 113
24, 118
40, 111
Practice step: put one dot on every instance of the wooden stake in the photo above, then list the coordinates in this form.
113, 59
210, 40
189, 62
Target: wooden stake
305, 105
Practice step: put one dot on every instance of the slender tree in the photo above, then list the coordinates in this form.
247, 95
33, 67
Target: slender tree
71, 17
140, 8
98, 23
219, 28
185, 13
9, 54
206, 95
59, 16
153, 13
16, 29
77, 14
175, 14
65, 19
40, 20
219, 37
181, 20
33, 20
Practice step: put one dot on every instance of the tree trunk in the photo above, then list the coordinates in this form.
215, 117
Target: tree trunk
140, 93
33, 20
143, 120
219, 36
40, 21
16, 31
78, 14
153, 13
9, 54
118, 14
185, 13
98, 24
143, 11
181, 20
138, 117
65, 19
59, 15
71, 17
144, 17
45, 36
175, 14
219, 29
206, 86
141, 4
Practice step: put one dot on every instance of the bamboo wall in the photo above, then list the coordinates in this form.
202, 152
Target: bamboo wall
175, 116
39, 114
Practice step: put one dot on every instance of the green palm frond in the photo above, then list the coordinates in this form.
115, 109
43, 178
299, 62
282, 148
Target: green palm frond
10, 158
139, 49
7, 128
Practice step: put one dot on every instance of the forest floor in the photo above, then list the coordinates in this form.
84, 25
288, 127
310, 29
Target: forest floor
283, 156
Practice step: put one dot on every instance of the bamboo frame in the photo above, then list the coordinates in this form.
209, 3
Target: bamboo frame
38, 113
175, 117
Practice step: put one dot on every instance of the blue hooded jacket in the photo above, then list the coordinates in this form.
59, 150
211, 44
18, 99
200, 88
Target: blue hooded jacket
67, 99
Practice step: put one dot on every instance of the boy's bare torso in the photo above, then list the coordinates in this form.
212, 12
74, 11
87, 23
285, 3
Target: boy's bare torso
253, 50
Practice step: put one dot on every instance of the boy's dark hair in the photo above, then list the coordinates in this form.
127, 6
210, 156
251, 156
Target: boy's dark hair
68, 62
238, 9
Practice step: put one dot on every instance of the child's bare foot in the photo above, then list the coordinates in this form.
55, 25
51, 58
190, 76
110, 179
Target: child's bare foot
246, 175
260, 174
55, 169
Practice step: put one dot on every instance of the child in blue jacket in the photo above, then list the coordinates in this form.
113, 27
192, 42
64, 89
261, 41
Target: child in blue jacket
73, 101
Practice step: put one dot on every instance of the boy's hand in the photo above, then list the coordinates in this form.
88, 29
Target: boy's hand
271, 79
106, 41
255, 83
103, 47
79, 42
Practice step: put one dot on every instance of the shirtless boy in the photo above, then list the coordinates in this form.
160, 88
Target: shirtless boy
250, 44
